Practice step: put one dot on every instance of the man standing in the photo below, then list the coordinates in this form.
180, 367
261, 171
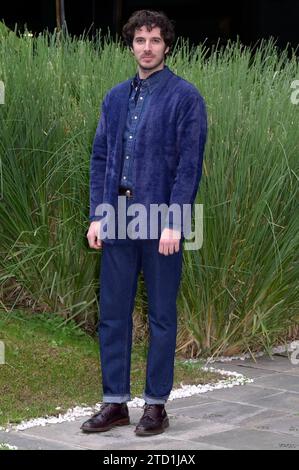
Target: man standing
148, 149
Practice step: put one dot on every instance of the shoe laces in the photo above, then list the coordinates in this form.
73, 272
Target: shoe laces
148, 412
103, 407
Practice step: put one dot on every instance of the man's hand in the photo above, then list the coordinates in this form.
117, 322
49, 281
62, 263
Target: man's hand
169, 241
92, 235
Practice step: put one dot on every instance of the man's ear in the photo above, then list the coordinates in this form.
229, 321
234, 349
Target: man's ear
132, 50
166, 50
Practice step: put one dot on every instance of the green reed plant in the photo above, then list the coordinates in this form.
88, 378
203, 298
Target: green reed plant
240, 291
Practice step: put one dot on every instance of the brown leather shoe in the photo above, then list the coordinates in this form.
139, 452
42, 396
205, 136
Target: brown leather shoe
110, 415
153, 421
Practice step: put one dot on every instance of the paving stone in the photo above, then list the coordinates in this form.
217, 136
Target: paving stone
25, 442
200, 398
277, 364
70, 433
294, 371
221, 411
122, 437
287, 401
283, 425
262, 418
166, 444
250, 372
254, 372
192, 429
280, 381
248, 393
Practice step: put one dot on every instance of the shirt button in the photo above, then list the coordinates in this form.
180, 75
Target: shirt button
124, 177
141, 97
135, 117
131, 137
127, 157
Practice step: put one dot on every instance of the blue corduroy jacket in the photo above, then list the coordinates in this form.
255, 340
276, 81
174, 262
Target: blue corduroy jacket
169, 145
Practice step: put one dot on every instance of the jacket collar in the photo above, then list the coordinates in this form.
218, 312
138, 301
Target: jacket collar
153, 81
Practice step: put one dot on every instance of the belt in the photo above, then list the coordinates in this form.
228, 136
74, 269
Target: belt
125, 192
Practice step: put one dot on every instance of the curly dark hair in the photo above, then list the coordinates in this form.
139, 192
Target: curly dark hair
150, 19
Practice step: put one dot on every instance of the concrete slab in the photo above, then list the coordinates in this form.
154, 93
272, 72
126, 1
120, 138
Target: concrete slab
284, 401
246, 394
284, 382
167, 444
183, 427
294, 371
247, 371
262, 418
26, 442
221, 411
201, 398
282, 425
180, 436
277, 364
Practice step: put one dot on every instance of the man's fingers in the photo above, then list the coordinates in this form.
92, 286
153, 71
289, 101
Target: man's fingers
93, 243
169, 242
92, 236
96, 244
167, 247
161, 247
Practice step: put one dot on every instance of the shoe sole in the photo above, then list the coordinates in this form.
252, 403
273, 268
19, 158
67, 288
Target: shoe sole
165, 425
120, 422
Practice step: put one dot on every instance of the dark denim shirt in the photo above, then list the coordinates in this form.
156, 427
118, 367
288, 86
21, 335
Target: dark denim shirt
138, 103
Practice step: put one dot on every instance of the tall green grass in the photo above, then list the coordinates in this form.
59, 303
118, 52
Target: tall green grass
240, 291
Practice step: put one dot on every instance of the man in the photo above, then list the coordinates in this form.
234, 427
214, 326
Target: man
148, 149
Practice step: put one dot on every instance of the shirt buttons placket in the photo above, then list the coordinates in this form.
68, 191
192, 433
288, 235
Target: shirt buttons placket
136, 111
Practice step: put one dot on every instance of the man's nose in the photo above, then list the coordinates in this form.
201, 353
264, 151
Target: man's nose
148, 46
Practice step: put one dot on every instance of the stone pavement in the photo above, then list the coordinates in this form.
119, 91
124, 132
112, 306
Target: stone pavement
260, 415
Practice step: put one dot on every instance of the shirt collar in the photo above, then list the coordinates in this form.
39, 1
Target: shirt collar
152, 81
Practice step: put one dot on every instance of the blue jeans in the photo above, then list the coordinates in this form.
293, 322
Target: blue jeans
120, 266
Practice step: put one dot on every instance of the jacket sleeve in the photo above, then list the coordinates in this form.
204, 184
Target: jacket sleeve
98, 164
191, 138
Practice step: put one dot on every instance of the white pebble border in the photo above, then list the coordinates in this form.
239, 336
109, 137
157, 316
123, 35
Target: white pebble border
184, 391
277, 350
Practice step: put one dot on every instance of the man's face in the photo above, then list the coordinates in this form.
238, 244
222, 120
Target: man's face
149, 48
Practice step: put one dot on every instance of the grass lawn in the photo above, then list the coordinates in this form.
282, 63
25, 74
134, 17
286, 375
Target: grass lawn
48, 365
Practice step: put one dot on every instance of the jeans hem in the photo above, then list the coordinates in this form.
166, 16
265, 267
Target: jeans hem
155, 400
